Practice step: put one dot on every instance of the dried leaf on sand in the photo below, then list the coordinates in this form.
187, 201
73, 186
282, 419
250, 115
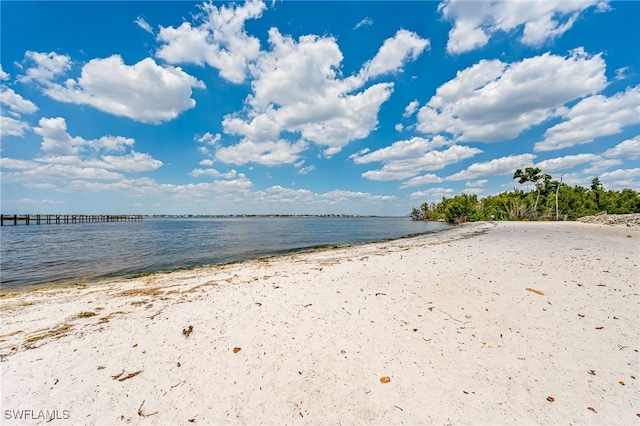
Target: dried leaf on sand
187, 331
130, 375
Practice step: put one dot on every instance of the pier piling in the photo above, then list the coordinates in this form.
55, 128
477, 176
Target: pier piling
67, 218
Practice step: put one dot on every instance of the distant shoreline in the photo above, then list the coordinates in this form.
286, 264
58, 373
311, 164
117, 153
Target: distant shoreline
177, 216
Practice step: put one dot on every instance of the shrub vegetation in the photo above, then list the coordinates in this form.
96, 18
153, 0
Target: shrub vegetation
549, 200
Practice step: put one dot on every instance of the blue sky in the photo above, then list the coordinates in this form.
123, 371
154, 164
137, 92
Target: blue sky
366, 107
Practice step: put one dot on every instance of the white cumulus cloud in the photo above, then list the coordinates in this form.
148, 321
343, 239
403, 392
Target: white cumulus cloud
411, 108
12, 127
47, 66
396, 51
475, 22
421, 180
144, 91
621, 179
55, 139
495, 167
209, 139
492, 101
131, 162
407, 158
62, 148
593, 117
16, 105
476, 183
15, 102
297, 89
629, 148
566, 162
267, 153
401, 150
218, 40
432, 194
3, 75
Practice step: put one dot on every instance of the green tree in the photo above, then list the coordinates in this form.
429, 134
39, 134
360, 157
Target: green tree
416, 214
597, 192
426, 211
461, 208
534, 175
628, 201
569, 202
575, 202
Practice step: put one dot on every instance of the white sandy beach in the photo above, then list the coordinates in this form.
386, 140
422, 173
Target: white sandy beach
449, 318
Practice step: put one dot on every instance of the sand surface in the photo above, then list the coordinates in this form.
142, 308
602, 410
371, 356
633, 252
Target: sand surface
451, 319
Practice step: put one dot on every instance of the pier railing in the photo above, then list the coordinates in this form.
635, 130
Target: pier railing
38, 219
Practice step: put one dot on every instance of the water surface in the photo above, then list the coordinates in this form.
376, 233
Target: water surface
84, 252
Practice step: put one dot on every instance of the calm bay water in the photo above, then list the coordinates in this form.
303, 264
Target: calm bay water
81, 252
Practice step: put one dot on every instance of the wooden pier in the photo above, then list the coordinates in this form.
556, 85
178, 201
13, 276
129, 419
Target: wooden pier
38, 219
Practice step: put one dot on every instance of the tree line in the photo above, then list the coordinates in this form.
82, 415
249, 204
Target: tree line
549, 200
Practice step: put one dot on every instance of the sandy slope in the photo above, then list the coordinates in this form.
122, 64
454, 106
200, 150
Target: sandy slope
447, 317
